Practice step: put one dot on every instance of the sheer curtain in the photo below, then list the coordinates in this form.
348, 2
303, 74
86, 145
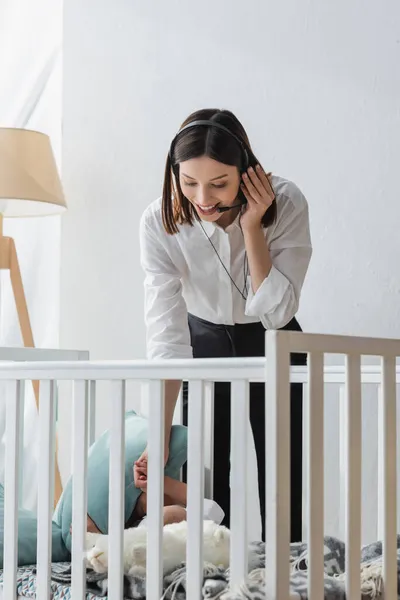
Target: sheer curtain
30, 83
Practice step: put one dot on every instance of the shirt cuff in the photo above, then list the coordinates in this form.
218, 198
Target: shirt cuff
163, 351
268, 296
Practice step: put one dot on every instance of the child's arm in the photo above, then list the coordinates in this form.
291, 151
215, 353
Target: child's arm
175, 492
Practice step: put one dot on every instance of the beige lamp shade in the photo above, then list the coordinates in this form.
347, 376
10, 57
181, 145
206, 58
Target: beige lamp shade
29, 182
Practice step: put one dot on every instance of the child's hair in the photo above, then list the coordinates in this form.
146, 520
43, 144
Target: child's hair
214, 142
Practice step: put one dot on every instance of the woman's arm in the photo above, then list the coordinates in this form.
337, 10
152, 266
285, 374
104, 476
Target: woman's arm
277, 265
166, 317
258, 255
171, 390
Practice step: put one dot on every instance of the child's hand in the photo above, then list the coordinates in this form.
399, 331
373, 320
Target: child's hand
140, 468
140, 471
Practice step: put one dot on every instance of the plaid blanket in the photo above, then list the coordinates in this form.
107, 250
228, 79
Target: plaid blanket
216, 581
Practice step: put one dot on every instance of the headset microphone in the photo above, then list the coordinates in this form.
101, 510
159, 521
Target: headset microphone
222, 209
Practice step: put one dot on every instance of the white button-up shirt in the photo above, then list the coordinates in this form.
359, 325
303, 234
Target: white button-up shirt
183, 273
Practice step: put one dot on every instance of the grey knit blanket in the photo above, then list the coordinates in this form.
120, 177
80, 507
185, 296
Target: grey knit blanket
216, 580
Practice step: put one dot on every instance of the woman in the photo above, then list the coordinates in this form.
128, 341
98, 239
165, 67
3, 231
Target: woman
225, 253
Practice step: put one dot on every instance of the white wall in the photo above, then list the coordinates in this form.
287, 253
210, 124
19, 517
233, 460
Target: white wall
317, 85
30, 76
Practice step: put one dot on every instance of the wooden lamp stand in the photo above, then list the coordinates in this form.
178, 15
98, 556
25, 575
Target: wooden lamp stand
29, 187
9, 262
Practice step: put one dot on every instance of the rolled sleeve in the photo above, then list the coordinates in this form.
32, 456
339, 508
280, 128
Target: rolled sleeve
277, 299
269, 295
166, 317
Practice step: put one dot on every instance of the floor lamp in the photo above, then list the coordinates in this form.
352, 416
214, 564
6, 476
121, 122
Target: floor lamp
29, 187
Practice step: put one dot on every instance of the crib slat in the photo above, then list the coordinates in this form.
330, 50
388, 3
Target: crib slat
178, 418
79, 488
178, 413
239, 427
15, 392
305, 470
155, 496
45, 486
195, 473
381, 468
116, 507
353, 476
209, 439
315, 461
92, 412
277, 417
342, 461
389, 478
21, 442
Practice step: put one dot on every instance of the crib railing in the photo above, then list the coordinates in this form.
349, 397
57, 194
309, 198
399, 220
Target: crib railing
18, 354
275, 370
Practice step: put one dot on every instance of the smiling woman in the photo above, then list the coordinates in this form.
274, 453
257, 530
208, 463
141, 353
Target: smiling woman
207, 188
225, 253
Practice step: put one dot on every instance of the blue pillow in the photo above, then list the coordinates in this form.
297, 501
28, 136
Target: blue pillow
98, 473
27, 537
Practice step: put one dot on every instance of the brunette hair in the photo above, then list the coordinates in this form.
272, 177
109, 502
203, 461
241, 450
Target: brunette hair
214, 142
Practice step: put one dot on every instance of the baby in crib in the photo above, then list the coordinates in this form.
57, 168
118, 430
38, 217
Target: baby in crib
175, 501
216, 538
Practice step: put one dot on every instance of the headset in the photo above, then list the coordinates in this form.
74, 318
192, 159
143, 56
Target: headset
209, 123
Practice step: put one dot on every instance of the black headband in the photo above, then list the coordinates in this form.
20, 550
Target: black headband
211, 124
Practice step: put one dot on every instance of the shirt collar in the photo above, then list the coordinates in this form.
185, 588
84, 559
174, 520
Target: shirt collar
211, 228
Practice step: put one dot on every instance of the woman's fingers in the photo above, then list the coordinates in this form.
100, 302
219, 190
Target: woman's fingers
249, 198
256, 182
250, 188
258, 186
265, 180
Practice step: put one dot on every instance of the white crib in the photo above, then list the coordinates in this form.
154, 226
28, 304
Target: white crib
23, 355
17, 354
275, 370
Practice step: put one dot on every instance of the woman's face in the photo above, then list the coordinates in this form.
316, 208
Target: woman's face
208, 184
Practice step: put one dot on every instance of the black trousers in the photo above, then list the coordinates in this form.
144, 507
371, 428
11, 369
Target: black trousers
219, 341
